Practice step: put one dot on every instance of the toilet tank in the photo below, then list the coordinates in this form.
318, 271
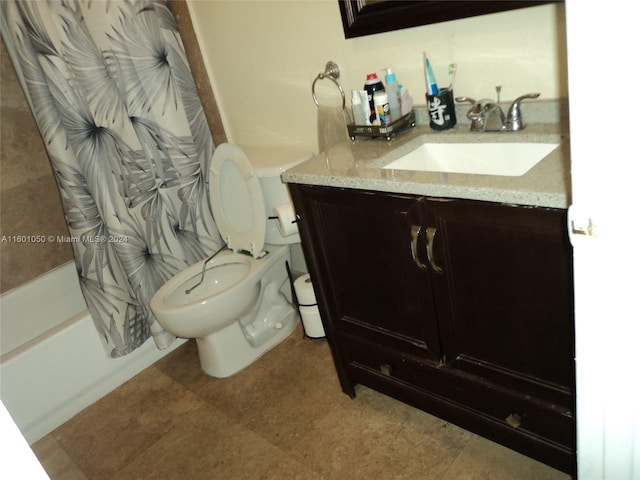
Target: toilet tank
269, 163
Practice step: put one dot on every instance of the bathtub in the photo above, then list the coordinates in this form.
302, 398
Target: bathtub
52, 364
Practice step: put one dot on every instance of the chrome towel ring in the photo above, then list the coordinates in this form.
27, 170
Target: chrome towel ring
332, 72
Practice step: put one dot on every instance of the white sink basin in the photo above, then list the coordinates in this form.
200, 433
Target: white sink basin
505, 159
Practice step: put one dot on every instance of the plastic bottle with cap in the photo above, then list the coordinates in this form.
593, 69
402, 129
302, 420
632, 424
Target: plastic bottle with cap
360, 110
372, 85
383, 114
393, 91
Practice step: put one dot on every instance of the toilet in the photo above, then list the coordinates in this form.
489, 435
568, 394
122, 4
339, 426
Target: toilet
242, 308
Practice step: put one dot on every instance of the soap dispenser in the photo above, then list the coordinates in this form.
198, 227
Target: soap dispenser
393, 91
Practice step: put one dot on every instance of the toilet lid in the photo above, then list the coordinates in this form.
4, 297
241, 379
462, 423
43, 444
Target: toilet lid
236, 200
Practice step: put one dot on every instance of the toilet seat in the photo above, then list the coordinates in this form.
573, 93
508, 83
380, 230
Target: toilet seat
236, 200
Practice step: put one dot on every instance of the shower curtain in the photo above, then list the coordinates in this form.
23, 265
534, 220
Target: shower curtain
113, 96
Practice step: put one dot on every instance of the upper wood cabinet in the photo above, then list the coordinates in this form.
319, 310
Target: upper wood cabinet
366, 17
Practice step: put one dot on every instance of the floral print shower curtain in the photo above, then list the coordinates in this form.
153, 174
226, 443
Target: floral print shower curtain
116, 104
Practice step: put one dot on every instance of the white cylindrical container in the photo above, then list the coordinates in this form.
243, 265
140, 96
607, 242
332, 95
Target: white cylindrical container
383, 114
308, 306
360, 110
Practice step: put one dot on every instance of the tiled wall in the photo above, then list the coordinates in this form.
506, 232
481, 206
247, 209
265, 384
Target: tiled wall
30, 208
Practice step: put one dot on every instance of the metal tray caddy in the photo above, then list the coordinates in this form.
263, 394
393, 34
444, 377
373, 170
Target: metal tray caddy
332, 72
404, 122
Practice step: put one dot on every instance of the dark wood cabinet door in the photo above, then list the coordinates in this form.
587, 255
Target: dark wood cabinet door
362, 246
504, 296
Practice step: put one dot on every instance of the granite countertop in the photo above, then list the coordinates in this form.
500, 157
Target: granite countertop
358, 165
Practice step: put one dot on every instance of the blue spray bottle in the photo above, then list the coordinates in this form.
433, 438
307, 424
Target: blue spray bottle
393, 91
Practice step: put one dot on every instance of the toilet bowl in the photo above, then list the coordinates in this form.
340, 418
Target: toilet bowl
242, 307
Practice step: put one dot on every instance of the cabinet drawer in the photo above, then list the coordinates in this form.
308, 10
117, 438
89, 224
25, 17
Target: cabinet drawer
511, 409
533, 426
365, 356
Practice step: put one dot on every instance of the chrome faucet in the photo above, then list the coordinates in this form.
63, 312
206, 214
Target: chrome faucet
487, 116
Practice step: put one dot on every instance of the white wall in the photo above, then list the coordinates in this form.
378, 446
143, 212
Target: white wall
262, 57
607, 321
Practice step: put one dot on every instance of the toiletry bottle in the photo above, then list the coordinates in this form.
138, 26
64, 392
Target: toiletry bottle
393, 91
372, 85
383, 115
360, 111
364, 96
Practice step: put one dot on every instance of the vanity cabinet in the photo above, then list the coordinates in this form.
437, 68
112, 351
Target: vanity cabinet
461, 308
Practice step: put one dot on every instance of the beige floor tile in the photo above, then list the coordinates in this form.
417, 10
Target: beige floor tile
208, 445
281, 394
483, 459
182, 365
374, 436
56, 462
117, 428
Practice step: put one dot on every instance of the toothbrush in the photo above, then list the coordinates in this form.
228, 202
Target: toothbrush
453, 68
432, 86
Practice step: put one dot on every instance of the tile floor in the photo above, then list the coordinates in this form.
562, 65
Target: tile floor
284, 417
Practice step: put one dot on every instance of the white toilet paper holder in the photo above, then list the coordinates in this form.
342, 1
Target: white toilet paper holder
275, 217
312, 327
286, 219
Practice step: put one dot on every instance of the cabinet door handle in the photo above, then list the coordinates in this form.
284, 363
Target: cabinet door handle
431, 233
514, 420
415, 233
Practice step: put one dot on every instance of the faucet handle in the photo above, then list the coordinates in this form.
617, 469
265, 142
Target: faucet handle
526, 96
514, 116
476, 107
475, 113
466, 100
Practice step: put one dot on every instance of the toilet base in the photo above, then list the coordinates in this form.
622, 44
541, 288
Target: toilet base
227, 351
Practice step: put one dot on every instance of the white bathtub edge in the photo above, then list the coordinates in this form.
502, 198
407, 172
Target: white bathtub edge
42, 396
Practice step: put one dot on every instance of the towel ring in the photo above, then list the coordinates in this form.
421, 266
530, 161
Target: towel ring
332, 72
